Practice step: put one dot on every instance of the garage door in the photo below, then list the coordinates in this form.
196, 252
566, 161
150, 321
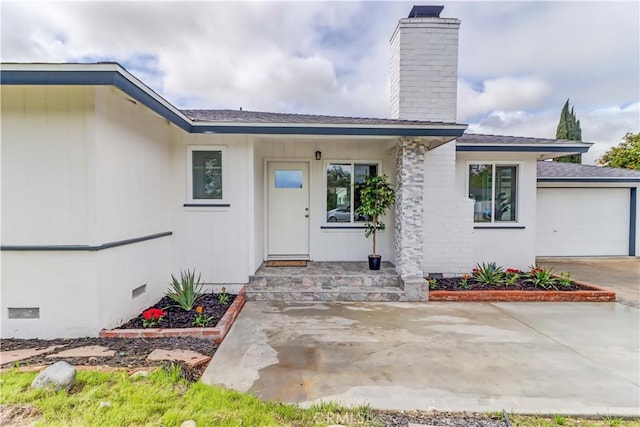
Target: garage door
582, 222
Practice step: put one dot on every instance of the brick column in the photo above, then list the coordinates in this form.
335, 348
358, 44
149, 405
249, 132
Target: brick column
410, 152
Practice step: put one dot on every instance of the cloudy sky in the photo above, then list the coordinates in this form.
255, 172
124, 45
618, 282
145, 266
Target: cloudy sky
519, 61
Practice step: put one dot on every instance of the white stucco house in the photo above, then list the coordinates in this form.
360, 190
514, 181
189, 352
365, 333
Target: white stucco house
107, 188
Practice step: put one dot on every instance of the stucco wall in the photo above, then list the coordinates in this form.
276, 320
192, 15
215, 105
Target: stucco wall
507, 246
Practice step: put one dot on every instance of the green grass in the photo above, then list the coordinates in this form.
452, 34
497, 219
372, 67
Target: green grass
163, 399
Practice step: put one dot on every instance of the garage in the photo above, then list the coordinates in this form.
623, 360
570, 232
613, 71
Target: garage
583, 221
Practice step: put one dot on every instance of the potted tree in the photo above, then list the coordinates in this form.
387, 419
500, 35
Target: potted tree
376, 197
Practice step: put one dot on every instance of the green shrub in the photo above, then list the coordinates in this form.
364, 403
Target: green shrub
488, 274
186, 291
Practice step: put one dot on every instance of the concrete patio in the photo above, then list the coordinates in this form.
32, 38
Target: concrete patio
543, 358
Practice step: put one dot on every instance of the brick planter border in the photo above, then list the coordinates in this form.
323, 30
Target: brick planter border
217, 333
591, 293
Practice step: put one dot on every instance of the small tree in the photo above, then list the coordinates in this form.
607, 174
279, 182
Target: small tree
624, 155
376, 198
569, 128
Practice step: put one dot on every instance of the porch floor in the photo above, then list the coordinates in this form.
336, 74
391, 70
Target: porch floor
326, 281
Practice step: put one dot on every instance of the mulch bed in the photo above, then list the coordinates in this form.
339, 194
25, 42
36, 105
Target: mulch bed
455, 284
178, 318
130, 353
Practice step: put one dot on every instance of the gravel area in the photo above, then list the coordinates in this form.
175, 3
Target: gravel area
403, 418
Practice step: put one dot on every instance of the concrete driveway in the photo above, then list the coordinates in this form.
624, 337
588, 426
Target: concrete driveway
567, 358
621, 275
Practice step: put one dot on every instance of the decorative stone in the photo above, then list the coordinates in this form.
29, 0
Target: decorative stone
21, 354
410, 152
92, 351
191, 358
105, 404
188, 423
58, 376
139, 374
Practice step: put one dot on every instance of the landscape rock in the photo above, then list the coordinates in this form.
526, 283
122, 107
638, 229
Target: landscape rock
105, 404
139, 374
188, 423
58, 376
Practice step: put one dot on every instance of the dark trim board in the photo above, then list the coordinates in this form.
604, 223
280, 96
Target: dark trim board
499, 227
76, 248
207, 205
633, 215
522, 149
609, 180
343, 227
324, 130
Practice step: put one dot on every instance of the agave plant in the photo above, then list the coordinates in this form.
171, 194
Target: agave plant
488, 274
186, 291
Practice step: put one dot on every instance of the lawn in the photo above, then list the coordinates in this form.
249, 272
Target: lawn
163, 398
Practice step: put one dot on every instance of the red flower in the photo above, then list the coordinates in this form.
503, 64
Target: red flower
513, 271
475, 270
153, 314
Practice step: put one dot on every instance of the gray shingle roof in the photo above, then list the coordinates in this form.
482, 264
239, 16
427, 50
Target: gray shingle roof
237, 116
473, 138
574, 170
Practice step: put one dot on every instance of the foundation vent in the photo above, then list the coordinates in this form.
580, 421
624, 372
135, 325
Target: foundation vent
138, 291
24, 312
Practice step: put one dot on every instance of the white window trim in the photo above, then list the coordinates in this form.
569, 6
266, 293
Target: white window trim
189, 173
493, 164
345, 225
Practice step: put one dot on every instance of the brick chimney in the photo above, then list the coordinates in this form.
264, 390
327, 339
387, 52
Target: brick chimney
424, 66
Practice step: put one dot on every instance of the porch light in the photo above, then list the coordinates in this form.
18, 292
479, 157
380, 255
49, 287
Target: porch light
318, 155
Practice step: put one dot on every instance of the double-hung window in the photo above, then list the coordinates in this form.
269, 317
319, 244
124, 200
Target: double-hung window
205, 175
343, 192
493, 187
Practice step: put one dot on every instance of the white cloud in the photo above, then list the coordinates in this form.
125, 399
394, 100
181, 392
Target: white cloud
519, 61
502, 93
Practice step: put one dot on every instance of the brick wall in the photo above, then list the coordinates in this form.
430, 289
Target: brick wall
448, 216
424, 69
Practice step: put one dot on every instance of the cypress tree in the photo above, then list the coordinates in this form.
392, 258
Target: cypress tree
569, 129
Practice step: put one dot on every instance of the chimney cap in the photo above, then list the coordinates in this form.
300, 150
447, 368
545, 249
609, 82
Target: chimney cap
425, 12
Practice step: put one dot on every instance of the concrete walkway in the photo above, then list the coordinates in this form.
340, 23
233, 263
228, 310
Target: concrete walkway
548, 358
621, 275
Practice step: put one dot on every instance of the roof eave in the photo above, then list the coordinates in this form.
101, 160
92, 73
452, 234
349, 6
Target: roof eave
544, 151
113, 74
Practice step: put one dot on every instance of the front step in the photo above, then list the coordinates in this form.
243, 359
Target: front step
383, 295
326, 281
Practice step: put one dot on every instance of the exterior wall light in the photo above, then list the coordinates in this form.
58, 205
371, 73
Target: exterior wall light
318, 155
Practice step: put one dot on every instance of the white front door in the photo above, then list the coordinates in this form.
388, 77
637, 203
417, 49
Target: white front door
288, 210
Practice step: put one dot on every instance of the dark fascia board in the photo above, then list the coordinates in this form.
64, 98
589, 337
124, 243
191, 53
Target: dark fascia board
590, 179
328, 130
524, 148
133, 89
